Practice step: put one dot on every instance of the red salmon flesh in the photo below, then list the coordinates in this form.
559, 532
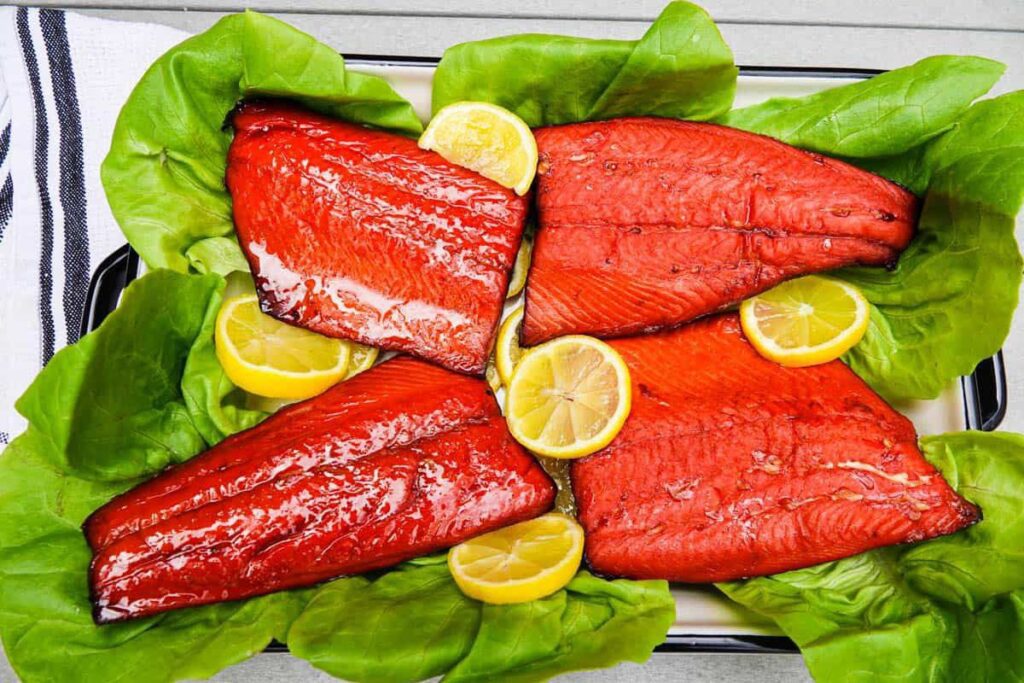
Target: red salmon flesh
647, 223
731, 466
402, 460
360, 234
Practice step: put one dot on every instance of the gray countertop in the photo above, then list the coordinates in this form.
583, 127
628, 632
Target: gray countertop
864, 34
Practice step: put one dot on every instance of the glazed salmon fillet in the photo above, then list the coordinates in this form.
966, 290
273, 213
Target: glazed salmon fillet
648, 223
731, 466
402, 460
359, 234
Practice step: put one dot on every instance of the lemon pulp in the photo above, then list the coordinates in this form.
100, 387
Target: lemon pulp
519, 563
269, 358
807, 321
486, 138
568, 397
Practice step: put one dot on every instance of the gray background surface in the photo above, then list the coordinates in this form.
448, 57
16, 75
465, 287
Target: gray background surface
879, 34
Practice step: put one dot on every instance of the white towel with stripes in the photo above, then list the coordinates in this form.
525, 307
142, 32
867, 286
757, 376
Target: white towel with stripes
63, 78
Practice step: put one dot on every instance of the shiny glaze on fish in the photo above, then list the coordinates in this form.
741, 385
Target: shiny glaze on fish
732, 466
648, 223
400, 461
359, 234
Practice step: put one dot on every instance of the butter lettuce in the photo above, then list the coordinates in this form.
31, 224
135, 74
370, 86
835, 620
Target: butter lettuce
145, 391
414, 623
164, 174
680, 68
879, 117
950, 301
104, 414
45, 621
948, 609
112, 406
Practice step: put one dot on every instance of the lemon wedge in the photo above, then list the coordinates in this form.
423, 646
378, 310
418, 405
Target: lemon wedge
568, 397
507, 351
521, 268
486, 138
807, 321
519, 563
269, 358
361, 359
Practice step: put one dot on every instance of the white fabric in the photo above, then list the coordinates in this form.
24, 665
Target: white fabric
101, 61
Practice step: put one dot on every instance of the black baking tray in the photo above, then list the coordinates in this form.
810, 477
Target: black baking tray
984, 390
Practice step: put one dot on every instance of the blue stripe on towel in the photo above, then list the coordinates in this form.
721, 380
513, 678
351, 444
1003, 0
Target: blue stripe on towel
6, 205
72, 171
45, 207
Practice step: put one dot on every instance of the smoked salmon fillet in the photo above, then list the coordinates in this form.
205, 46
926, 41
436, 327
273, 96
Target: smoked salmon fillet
732, 466
402, 460
360, 234
648, 223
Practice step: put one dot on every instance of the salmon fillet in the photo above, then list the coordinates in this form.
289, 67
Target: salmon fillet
359, 234
731, 466
400, 461
648, 223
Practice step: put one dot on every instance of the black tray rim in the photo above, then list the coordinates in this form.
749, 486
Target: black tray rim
984, 390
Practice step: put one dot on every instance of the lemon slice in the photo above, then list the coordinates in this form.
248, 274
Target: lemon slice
269, 358
491, 375
507, 351
519, 563
362, 358
521, 268
807, 321
568, 397
486, 138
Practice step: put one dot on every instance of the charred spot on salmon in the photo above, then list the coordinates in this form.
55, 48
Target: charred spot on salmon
745, 212
791, 479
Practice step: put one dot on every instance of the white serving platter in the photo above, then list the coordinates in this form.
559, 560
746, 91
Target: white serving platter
702, 610
705, 619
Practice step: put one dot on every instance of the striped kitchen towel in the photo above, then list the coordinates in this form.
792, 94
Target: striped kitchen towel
63, 78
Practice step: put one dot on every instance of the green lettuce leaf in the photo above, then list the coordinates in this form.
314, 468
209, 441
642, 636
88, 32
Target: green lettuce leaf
164, 174
879, 117
680, 68
216, 407
103, 414
950, 301
359, 628
410, 624
220, 255
948, 609
591, 623
112, 405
